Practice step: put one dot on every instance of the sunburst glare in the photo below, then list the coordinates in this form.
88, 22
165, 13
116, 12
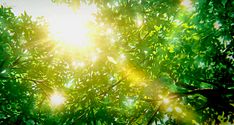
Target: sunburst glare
72, 27
57, 99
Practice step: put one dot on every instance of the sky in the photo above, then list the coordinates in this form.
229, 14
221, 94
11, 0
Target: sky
46, 8
36, 7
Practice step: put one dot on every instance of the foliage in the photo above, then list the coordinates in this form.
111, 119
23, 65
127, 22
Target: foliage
167, 63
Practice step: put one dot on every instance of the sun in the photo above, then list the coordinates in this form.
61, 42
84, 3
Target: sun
56, 99
72, 27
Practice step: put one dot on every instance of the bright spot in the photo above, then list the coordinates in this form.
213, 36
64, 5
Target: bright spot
4, 71
178, 109
111, 59
116, 4
109, 31
217, 25
139, 22
94, 58
56, 99
77, 64
69, 84
201, 65
81, 64
129, 102
122, 56
112, 40
165, 118
98, 50
169, 109
195, 122
71, 28
177, 22
187, 4
160, 96
112, 78
166, 101
143, 84
230, 57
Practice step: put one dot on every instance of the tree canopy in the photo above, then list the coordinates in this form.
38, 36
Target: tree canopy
151, 62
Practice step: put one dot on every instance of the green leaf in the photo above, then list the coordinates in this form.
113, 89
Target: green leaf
111, 59
224, 2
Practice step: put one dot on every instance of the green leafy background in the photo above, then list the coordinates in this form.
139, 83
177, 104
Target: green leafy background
178, 66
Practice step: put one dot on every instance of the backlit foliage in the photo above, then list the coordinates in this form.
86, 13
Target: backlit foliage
150, 62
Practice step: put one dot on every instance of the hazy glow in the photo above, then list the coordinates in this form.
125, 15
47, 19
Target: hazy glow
139, 22
109, 31
178, 109
195, 122
112, 78
111, 59
217, 25
129, 102
69, 84
66, 26
201, 65
56, 99
177, 22
94, 58
169, 109
4, 71
77, 64
122, 56
72, 27
187, 4
166, 101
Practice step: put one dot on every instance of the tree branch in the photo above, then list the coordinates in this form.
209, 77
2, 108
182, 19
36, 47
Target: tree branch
155, 112
112, 86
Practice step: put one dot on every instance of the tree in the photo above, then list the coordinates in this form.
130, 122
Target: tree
170, 63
